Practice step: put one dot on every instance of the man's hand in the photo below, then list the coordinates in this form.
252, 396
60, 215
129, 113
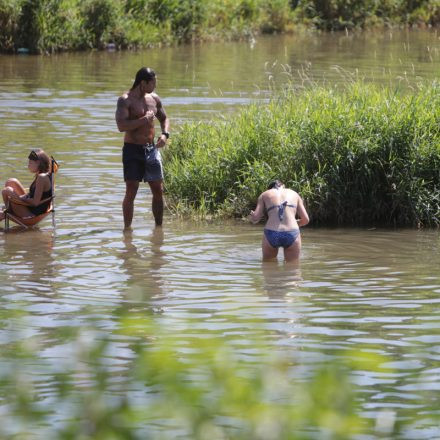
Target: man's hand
161, 141
149, 116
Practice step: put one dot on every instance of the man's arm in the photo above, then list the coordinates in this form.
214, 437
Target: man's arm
122, 116
163, 120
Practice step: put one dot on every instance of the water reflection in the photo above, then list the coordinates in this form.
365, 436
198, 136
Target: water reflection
280, 279
143, 265
29, 261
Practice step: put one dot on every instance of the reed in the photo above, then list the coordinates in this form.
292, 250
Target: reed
363, 155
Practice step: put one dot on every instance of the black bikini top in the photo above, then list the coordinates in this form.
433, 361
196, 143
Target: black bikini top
45, 195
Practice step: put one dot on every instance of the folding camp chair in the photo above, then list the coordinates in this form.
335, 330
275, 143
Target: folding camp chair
31, 221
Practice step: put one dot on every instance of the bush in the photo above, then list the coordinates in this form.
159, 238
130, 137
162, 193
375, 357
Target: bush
102, 21
10, 11
47, 25
342, 14
52, 25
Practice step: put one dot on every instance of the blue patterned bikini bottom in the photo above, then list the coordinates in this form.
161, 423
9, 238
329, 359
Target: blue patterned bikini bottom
281, 238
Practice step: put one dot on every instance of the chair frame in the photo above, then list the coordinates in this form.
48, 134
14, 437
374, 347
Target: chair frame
31, 221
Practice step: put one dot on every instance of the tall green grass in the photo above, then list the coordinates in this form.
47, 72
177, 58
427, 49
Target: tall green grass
363, 155
44, 26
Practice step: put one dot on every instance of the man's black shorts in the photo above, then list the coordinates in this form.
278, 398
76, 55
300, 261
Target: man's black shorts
141, 162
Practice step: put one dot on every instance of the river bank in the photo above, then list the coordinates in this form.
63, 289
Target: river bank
47, 26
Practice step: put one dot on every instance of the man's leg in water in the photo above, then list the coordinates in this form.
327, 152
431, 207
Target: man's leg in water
156, 187
131, 188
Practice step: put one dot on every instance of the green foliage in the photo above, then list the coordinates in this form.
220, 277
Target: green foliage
101, 21
9, 24
52, 25
277, 16
49, 25
46, 25
347, 14
337, 14
364, 155
141, 380
208, 389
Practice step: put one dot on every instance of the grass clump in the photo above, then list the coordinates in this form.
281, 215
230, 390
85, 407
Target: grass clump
365, 155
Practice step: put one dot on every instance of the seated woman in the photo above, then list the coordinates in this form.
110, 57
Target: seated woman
282, 228
38, 199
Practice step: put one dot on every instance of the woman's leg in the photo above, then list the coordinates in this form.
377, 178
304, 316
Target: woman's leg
21, 210
16, 185
13, 186
292, 252
269, 252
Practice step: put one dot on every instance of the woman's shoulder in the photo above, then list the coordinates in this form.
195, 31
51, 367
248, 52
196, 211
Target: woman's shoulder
43, 179
292, 195
267, 195
290, 192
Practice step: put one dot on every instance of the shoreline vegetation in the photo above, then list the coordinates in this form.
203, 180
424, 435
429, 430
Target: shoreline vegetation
47, 26
359, 155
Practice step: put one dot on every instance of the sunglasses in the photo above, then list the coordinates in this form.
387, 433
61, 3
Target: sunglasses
33, 156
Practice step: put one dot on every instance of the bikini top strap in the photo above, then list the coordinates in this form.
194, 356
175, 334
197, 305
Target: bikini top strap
272, 207
282, 209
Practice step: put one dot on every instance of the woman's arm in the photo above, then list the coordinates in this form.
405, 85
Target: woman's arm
39, 189
256, 215
301, 213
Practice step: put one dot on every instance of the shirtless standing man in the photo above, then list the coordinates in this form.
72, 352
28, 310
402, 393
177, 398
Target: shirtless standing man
135, 113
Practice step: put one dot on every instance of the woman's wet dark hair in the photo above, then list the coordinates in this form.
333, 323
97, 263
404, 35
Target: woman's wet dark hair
143, 74
275, 184
42, 157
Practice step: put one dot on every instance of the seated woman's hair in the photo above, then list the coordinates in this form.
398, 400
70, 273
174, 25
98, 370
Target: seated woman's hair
275, 184
42, 157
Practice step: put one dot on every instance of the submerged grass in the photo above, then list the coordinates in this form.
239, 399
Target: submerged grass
365, 155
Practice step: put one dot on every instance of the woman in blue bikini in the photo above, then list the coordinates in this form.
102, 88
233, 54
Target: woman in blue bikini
282, 206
